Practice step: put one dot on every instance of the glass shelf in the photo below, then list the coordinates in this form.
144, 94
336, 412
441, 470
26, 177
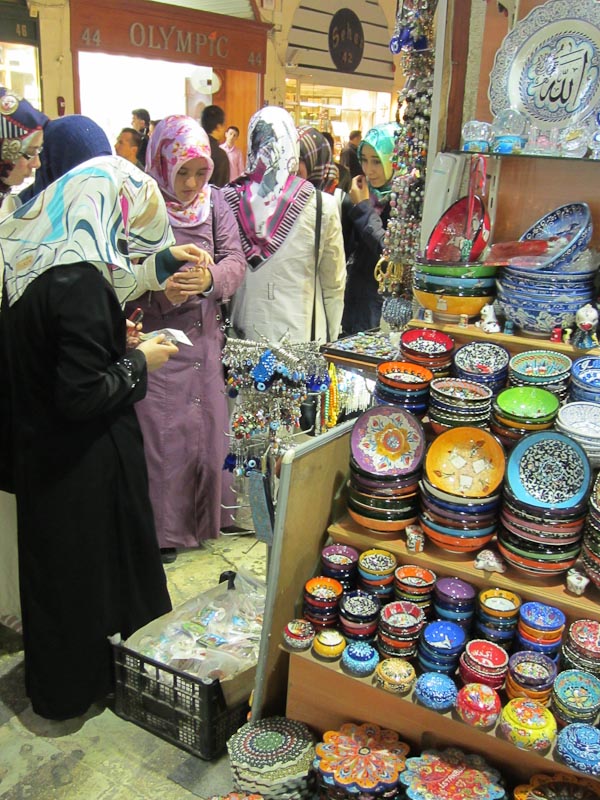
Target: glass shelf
536, 156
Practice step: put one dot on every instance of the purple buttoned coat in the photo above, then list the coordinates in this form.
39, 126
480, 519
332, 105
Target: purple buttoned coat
184, 416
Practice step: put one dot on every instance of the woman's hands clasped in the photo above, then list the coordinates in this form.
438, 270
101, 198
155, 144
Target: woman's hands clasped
191, 280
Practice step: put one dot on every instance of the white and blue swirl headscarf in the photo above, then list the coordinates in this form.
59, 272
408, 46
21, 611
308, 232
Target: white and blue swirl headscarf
106, 211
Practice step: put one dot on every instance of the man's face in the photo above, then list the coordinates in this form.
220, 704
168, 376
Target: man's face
231, 136
125, 148
219, 133
138, 123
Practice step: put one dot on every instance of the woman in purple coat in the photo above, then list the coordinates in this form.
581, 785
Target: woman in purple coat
184, 416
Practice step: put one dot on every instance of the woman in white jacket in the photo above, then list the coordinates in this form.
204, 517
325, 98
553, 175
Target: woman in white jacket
286, 289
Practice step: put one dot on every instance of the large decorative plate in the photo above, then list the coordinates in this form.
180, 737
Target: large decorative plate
361, 758
558, 787
388, 441
465, 461
449, 775
548, 66
549, 470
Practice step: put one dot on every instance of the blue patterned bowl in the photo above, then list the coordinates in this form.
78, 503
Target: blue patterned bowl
436, 691
573, 222
578, 745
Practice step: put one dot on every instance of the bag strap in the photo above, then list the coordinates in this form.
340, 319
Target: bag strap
313, 325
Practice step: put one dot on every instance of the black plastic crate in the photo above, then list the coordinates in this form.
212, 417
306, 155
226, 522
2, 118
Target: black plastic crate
190, 713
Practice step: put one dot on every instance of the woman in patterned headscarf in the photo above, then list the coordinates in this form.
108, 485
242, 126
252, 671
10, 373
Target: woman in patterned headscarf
316, 160
286, 290
370, 194
21, 140
184, 415
89, 564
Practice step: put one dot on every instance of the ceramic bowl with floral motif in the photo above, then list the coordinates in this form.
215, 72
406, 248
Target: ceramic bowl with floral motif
478, 704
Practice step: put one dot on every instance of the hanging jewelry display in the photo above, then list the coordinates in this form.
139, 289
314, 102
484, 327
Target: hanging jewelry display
413, 42
269, 381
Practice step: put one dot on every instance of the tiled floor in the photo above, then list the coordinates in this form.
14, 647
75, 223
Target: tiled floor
100, 756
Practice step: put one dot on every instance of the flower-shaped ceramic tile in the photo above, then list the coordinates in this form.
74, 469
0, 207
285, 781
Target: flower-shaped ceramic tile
361, 758
449, 775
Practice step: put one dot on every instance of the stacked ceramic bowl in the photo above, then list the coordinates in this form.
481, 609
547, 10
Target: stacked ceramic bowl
340, 561
538, 295
483, 362
540, 629
454, 601
415, 585
459, 493
521, 410
542, 368
548, 480
530, 674
376, 573
455, 402
387, 447
321, 598
400, 625
402, 384
585, 379
429, 348
590, 552
440, 646
580, 420
496, 616
581, 648
359, 615
575, 697
483, 662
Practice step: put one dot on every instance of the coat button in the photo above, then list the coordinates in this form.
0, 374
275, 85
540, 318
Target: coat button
198, 365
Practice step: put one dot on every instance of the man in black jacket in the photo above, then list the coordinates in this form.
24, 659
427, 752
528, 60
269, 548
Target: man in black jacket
213, 122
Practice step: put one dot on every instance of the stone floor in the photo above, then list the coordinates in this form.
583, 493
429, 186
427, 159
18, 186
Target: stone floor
101, 756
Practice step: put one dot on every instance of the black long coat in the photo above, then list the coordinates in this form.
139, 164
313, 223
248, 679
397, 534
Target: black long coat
89, 562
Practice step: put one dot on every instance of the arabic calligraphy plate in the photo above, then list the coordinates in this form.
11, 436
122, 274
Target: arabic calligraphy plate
548, 66
450, 775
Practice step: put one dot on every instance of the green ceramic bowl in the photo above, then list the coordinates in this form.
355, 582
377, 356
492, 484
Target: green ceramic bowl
528, 402
459, 270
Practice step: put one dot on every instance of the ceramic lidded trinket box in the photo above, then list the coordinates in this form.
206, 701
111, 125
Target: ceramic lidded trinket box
528, 724
360, 659
478, 704
436, 691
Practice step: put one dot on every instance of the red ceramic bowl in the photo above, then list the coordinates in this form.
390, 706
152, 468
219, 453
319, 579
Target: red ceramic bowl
426, 343
484, 655
454, 228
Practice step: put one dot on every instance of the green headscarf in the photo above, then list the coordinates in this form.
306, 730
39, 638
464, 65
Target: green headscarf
382, 139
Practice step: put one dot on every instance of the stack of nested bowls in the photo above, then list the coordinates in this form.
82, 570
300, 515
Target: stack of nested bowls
497, 616
585, 379
580, 420
400, 624
590, 552
387, 447
321, 598
581, 648
540, 629
440, 646
429, 348
454, 402
530, 674
542, 368
546, 488
402, 384
454, 601
376, 573
483, 362
575, 697
358, 615
459, 493
340, 561
451, 289
483, 662
540, 294
521, 410
415, 585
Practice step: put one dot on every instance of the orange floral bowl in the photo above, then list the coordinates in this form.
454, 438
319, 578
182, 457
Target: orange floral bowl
404, 375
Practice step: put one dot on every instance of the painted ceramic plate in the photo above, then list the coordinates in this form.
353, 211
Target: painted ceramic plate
388, 441
465, 461
548, 66
558, 787
450, 774
549, 470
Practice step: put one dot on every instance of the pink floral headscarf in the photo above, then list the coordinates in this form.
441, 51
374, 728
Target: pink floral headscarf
176, 140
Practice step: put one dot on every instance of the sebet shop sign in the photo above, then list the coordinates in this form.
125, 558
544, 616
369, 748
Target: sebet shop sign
153, 30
